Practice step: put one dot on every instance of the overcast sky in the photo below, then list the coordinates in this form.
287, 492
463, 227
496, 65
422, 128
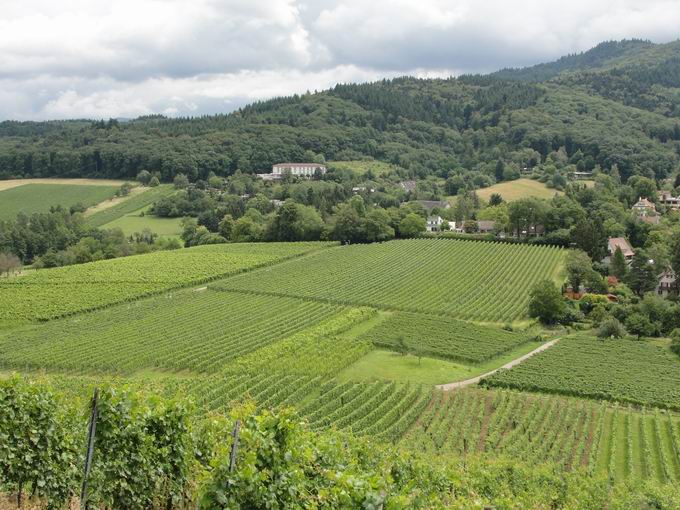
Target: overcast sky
125, 58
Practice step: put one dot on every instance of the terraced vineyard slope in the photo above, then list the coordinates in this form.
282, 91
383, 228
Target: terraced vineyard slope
52, 293
464, 279
619, 370
130, 205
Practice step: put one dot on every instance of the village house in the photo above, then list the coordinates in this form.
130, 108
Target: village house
456, 226
666, 198
666, 285
622, 243
643, 207
486, 226
434, 223
304, 170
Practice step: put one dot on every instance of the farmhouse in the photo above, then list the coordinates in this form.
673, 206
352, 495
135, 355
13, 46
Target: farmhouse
622, 243
304, 170
644, 207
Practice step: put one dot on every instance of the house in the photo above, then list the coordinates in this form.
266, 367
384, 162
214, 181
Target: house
579, 176
304, 170
666, 198
276, 203
409, 186
619, 242
434, 223
456, 227
428, 205
486, 226
667, 282
643, 207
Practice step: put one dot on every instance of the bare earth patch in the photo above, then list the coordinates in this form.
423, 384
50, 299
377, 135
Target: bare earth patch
13, 183
106, 204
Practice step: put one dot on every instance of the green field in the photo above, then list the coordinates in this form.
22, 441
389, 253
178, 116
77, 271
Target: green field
622, 370
36, 198
362, 167
136, 222
51, 293
514, 190
129, 206
619, 442
472, 280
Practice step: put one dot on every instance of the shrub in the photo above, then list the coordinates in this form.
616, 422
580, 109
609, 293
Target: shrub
611, 328
675, 341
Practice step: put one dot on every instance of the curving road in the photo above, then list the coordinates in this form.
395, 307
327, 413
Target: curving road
514, 362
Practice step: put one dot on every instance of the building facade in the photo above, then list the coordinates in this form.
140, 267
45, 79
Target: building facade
302, 170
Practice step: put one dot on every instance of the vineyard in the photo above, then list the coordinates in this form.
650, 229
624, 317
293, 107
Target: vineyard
127, 206
52, 293
441, 337
186, 330
37, 198
622, 370
464, 279
617, 441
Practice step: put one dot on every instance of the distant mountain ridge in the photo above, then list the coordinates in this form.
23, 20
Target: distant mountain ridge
616, 104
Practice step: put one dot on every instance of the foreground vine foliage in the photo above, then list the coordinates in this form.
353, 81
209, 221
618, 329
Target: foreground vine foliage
154, 453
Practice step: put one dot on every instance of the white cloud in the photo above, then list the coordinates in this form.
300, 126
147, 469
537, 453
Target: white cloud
96, 58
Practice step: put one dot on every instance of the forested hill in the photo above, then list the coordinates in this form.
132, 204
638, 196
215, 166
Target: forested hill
618, 104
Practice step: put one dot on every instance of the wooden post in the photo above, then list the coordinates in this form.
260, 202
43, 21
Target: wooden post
92, 429
234, 446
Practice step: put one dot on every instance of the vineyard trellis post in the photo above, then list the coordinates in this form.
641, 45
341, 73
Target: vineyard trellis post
234, 445
92, 429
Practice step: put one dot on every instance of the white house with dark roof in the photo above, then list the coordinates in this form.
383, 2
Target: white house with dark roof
304, 170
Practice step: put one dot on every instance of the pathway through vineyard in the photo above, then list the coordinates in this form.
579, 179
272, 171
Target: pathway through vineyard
514, 362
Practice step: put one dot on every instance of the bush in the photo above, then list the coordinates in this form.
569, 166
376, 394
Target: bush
675, 341
611, 328
639, 325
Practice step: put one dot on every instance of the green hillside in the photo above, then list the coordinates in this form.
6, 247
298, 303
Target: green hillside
615, 104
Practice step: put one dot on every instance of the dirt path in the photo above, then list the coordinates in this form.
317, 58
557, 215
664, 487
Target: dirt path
514, 362
107, 204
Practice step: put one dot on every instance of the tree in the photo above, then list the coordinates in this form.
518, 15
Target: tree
154, 182
546, 302
377, 226
675, 252
589, 235
639, 325
578, 266
499, 171
618, 266
226, 226
641, 277
181, 181
411, 225
9, 263
495, 199
144, 177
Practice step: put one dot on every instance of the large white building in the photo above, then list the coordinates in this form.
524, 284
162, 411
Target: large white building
304, 170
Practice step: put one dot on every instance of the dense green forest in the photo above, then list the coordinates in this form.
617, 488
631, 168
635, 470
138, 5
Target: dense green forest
614, 105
